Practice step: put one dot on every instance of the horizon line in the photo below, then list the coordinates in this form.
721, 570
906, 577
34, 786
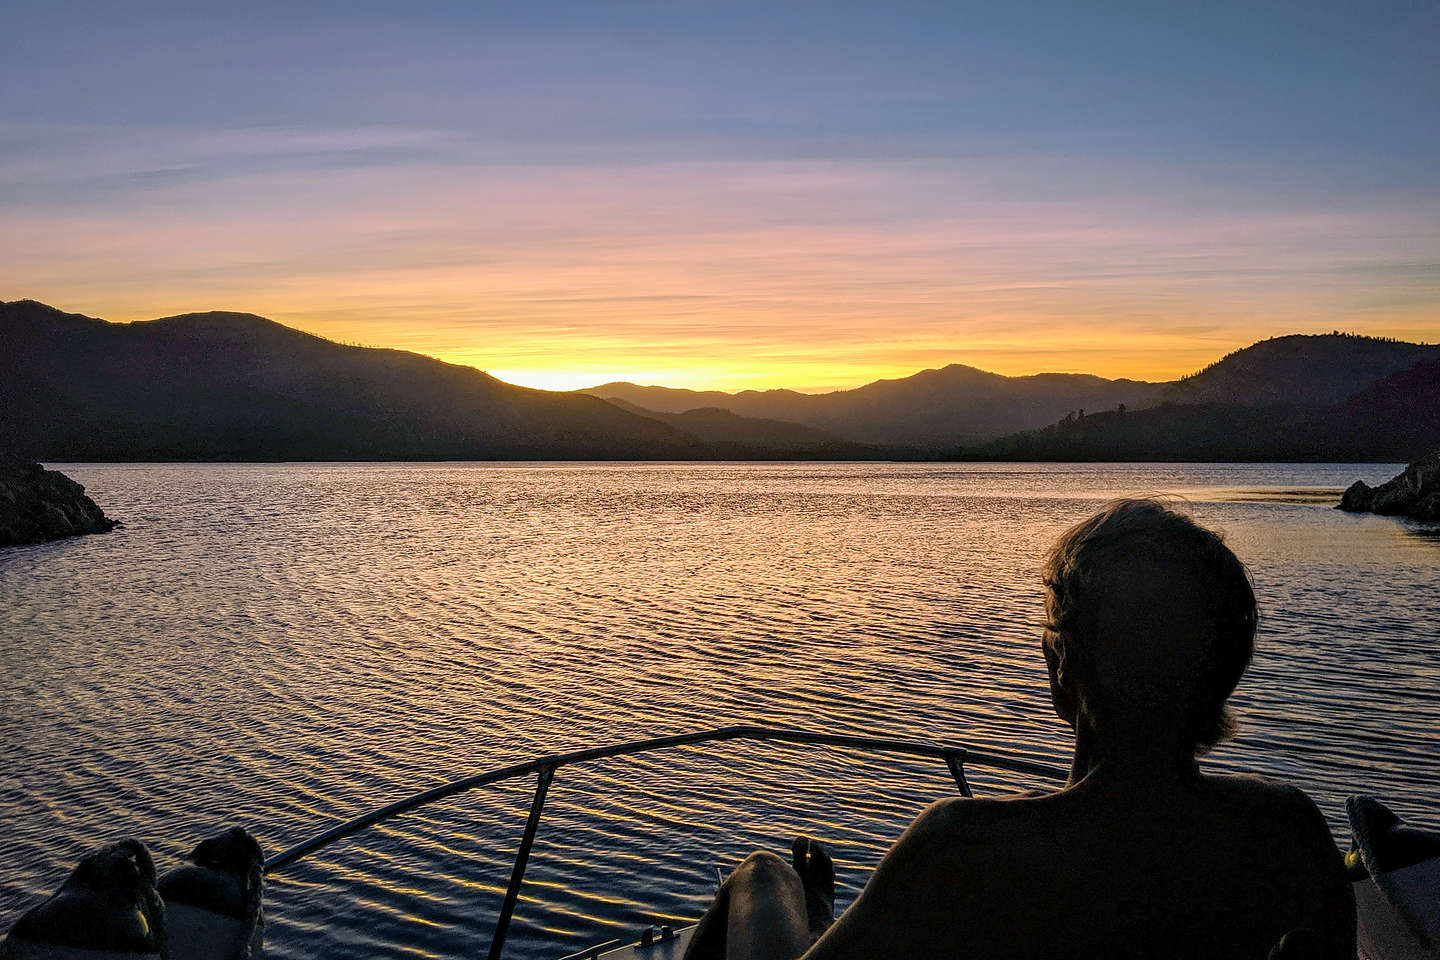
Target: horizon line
508, 376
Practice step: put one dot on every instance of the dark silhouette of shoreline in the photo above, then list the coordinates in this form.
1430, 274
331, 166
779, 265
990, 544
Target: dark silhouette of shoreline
1415, 493
238, 387
39, 505
1394, 420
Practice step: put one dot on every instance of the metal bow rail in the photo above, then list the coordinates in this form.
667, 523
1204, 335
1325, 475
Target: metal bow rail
544, 769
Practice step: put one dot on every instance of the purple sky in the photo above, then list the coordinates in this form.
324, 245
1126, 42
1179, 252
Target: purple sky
723, 195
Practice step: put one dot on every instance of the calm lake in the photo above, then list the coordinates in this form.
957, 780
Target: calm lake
287, 646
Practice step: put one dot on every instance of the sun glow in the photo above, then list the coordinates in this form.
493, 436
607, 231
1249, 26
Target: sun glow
736, 276
733, 276
749, 208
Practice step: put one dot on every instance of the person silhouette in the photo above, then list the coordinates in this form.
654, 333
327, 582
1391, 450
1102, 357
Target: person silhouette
1150, 624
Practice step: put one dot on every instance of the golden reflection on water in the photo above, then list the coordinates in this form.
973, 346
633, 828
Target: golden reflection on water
1328, 496
287, 646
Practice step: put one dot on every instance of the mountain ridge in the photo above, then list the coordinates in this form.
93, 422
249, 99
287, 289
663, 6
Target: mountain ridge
1307, 368
960, 405
1395, 419
716, 426
234, 385
932, 408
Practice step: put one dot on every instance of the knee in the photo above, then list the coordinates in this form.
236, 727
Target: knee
765, 867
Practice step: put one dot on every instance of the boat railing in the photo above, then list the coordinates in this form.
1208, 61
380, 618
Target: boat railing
955, 759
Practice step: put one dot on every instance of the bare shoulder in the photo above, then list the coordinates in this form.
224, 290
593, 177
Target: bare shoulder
1259, 789
930, 880
1299, 855
979, 821
952, 812
1276, 804
958, 831
1280, 819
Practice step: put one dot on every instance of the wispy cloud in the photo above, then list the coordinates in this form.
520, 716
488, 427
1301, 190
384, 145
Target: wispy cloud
748, 200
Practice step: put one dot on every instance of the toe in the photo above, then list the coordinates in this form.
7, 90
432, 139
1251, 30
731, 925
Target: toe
798, 849
822, 868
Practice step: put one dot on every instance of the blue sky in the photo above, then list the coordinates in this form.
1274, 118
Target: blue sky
808, 195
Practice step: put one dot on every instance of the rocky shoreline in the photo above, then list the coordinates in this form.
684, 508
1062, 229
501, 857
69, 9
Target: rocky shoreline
39, 505
1415, 493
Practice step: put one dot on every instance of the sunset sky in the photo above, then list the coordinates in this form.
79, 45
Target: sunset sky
733, 195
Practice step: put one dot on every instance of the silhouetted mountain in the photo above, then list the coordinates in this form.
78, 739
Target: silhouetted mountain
1298, 369
1396, 419
238, 386
746, 436
933, 409
678, 400
963, 406
1169, 432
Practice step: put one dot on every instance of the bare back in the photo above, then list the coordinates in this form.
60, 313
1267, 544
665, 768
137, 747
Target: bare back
1214, 867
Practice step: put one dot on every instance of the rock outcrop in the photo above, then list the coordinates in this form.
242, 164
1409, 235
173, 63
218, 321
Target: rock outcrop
1415, 493
37, 505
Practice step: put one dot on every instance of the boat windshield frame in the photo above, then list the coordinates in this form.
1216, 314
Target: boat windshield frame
954, 757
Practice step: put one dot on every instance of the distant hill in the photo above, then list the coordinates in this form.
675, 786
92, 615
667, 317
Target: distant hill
239, 387
933, 409
744, 435
1169, 432
1298, 369
233, 386
960, 406
678, 400
1395, 419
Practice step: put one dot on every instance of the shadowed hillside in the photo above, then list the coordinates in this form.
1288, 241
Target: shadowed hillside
1298, 369
238, 386
744, 435
962, 406
1396, 419
231, 386
934, 408
1169, 432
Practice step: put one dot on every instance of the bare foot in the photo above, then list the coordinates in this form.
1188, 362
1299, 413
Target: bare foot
817, 873
107, 907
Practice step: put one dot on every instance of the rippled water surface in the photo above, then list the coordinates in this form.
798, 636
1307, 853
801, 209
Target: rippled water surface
287, 646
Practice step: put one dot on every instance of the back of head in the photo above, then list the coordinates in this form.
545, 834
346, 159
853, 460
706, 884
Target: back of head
1151, 624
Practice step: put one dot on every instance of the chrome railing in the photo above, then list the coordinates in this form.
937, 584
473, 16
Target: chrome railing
955, 758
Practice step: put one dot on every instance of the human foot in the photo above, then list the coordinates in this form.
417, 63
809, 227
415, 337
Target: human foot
817, 873
213, 903
107, 908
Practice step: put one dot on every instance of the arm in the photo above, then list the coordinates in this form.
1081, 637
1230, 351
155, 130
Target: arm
915, 884
1332, 919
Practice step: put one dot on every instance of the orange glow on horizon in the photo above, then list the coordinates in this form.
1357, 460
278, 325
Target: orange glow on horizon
733, 276
574, 359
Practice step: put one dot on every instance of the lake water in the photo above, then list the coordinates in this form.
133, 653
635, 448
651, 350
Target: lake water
287, 646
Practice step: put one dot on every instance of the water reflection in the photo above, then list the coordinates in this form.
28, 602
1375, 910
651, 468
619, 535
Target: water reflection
289, 645
1428, 532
